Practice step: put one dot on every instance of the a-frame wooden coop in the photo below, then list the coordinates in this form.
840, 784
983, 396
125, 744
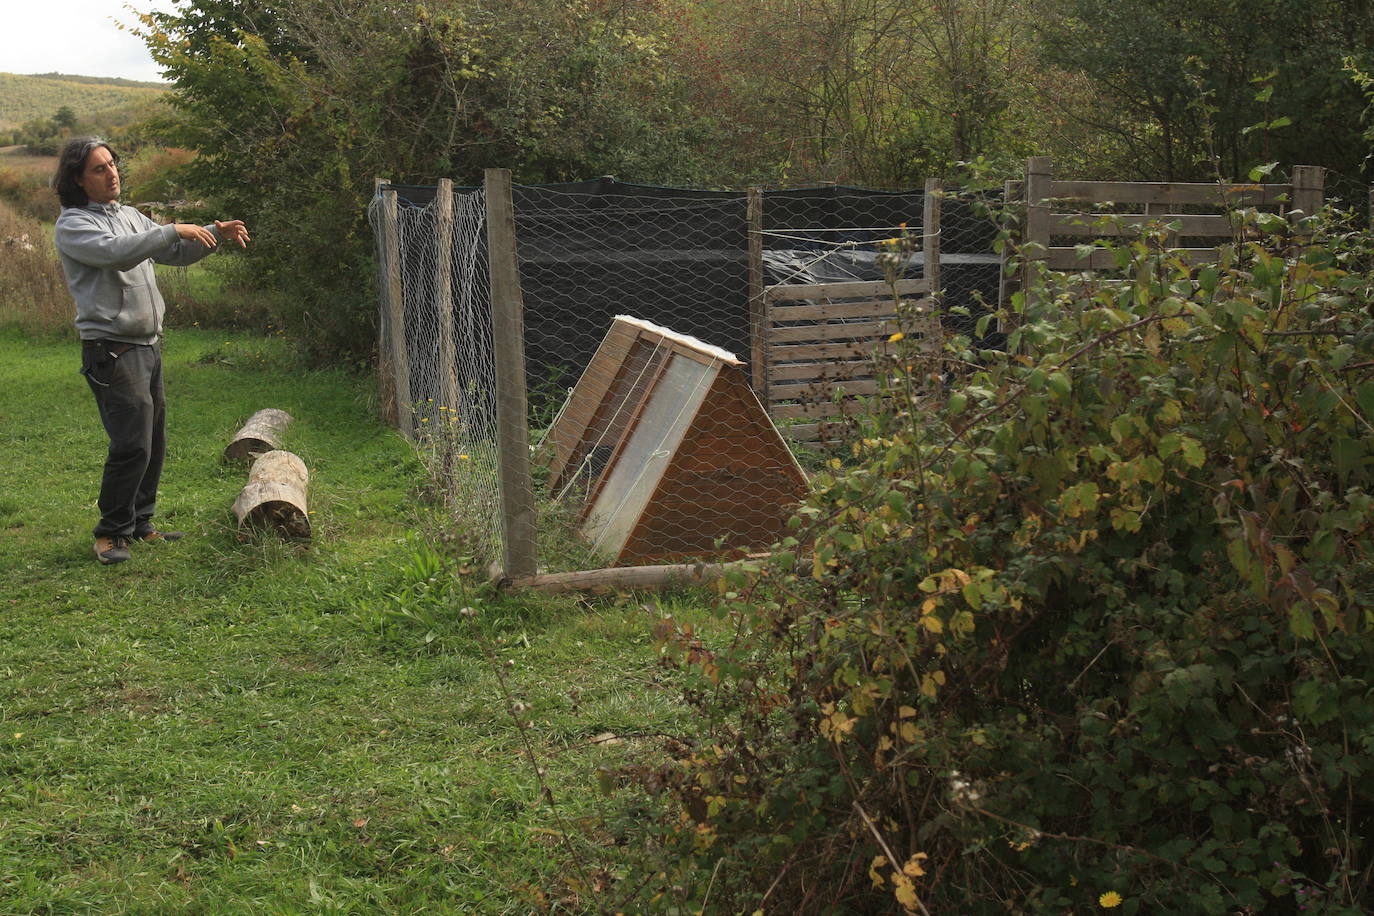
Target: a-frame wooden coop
669, 451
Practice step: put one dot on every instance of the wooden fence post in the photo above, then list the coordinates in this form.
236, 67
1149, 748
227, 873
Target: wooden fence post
1308, 188
402, 416
1036, 238
443, 303
758, 317
930, 233
1013, 200
386, 379
512, 421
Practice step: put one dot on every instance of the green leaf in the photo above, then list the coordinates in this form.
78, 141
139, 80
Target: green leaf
1364, 396
1300, 620
1349, 456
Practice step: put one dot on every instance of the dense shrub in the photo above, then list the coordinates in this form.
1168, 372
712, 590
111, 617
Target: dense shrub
1089, 629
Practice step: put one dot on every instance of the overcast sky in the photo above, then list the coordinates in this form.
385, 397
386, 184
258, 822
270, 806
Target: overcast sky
75, 36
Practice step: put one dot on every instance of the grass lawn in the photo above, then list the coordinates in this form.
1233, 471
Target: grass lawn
252, 726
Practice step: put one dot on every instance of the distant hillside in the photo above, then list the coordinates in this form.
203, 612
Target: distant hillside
24, 98
99, 80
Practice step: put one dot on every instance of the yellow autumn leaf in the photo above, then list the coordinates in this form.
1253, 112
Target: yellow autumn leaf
878, 862
913, 865
904, 891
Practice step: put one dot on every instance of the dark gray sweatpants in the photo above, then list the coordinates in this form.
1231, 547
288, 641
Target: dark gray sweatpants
127, 384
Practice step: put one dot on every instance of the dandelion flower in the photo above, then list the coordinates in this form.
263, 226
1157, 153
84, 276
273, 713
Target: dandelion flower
896, 337
1109, 900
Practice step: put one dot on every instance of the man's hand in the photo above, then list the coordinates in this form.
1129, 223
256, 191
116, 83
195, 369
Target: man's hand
233, 230
196, 234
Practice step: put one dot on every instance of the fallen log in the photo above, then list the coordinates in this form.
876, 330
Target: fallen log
262, 433
275, 495
626, 577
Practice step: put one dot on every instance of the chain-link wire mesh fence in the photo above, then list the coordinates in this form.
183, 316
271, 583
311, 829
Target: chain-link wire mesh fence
650, 442
436, 345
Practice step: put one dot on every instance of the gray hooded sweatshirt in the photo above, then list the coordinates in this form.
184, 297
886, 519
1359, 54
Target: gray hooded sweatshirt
107, 252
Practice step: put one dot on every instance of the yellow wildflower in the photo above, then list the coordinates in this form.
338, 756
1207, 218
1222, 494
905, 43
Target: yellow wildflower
896, 337
1109, 900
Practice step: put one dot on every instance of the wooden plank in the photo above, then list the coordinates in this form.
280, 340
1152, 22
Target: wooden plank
832, 370
1089, 225
758, 305
816, 432
508, 339
1101, 259
833, 331
822, 389
443, 298
404, 416
1166, 192
848, 290
827, 351
843, 408
867, 308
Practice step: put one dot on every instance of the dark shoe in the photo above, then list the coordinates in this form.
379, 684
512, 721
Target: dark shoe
110, 550
152, 534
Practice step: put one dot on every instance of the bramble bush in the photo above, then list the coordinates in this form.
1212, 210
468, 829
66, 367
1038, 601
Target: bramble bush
1087, 627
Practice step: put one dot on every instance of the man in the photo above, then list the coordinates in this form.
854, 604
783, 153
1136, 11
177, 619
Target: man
107, 252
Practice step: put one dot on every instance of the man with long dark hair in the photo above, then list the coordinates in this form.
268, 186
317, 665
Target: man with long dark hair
107, 252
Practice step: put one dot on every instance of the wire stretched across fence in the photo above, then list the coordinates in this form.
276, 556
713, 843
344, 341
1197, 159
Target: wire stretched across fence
665, 412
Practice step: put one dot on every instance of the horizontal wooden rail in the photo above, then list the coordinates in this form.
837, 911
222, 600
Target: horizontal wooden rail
834, 331
1164, 192
1202, 225
1101, 259
847, 290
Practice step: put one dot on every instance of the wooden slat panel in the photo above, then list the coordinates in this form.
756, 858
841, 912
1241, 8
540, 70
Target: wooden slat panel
813, 432
833, 311
834, 370
824, 409
856, 330
1099, 259
822, 390
849, 290
828, 351
1088, 225
1162, 192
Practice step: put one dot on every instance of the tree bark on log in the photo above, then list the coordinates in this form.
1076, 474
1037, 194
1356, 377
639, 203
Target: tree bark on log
275, 495
262, 433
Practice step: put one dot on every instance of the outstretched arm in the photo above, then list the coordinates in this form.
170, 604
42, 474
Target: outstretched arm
195, 242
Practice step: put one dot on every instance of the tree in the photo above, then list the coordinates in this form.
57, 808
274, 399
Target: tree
1183, 84
295, 107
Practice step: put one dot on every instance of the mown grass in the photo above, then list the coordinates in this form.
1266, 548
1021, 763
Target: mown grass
253, 726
